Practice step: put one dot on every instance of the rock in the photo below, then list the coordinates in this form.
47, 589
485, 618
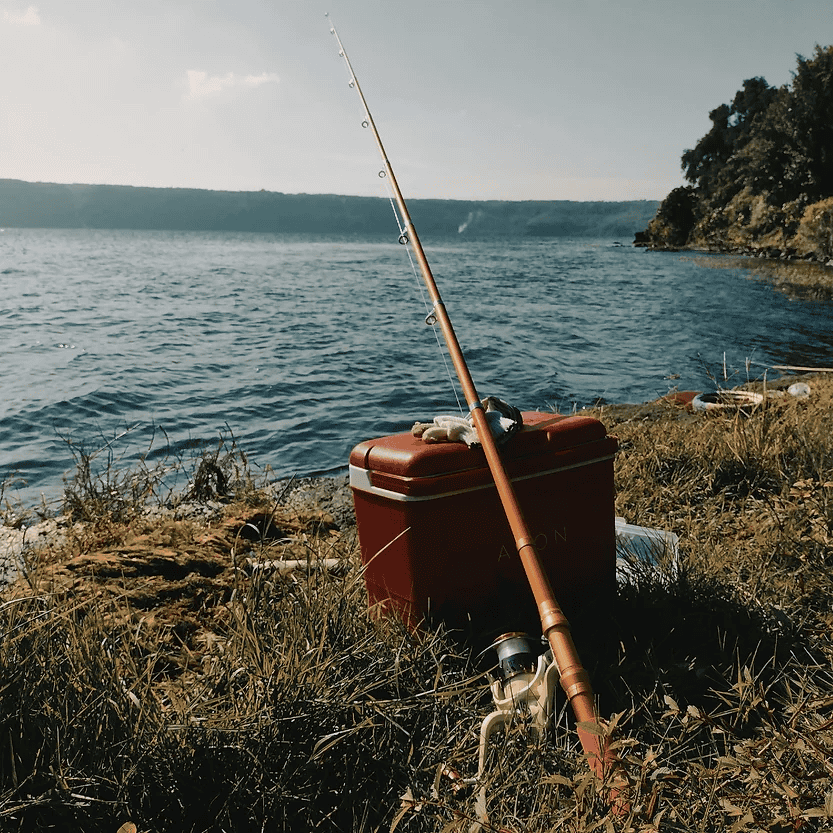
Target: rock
17, 542
330, 494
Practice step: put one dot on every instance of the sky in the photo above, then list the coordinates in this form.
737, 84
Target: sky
474, 99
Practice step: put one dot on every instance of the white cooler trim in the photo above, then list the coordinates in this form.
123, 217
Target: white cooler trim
360, 480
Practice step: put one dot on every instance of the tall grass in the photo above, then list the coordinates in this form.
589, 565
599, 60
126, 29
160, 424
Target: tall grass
149, 676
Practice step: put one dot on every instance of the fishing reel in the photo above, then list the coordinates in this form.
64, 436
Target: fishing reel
524, 684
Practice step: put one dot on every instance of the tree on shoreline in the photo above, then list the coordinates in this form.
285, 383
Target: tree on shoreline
767, 159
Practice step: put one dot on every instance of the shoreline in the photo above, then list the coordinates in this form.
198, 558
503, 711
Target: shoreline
769, 253
804, 277
326, 493
180, 641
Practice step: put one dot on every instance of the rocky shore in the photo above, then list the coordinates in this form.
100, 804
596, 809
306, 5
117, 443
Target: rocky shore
328, 496
16, 542
763, 252
746, 227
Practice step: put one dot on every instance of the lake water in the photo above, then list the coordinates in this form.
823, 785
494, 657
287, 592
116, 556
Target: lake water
304, 346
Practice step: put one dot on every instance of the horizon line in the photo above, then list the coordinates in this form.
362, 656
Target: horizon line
309, 193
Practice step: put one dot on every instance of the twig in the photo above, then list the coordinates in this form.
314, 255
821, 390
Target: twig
794, 367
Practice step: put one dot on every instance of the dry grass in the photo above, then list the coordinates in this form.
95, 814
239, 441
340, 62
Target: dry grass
147, 675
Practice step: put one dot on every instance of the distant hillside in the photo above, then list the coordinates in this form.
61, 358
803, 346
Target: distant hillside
49, 205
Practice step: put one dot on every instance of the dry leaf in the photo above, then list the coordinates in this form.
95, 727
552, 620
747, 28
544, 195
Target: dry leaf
671, 703
408, 803
557, 779
731, 809
742, 823
591, 727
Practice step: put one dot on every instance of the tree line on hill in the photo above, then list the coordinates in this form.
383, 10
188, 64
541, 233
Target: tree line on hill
50, 205
761, 179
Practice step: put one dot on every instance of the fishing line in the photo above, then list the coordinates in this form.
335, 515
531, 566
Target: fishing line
430, 318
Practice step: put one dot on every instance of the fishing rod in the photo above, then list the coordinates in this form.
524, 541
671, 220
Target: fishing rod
574, 678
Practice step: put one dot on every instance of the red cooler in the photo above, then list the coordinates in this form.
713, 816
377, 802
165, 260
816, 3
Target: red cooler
437, 546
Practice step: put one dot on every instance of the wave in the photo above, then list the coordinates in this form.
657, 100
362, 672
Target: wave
304, 347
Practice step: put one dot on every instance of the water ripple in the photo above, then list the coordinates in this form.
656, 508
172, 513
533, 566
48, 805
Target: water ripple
304, 346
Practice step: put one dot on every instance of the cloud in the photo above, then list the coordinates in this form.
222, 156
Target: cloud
263, 78
28, 18
203, 85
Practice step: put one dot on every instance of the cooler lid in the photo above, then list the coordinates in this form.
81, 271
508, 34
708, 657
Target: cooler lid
404, 455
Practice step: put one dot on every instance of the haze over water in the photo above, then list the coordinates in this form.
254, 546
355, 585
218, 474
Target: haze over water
302, 346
